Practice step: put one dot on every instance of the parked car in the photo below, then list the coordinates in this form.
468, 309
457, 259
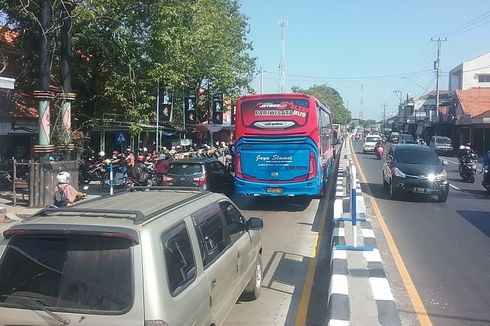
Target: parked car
415, 169
158, 257
207, 173
370, 142
441, 145
407, 139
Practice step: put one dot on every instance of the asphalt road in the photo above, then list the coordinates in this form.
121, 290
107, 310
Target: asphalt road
445, 246
291, 228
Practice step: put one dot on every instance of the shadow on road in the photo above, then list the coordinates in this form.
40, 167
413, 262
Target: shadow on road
274, 204
479, 219
379, 192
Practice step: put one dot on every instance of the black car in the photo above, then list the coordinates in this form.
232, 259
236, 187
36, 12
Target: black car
415, 169
406, 139
207, 173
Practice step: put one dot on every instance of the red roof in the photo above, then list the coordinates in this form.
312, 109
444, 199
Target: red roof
474, 101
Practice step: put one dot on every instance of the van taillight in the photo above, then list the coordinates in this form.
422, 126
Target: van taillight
312, 171
201, 181
155, 323
238, 166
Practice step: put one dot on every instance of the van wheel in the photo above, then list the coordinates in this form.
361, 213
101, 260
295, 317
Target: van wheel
252, 290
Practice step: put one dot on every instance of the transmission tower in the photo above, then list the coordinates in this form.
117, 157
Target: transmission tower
282, 63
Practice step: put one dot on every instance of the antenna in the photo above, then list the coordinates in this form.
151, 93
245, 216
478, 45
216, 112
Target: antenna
282, 63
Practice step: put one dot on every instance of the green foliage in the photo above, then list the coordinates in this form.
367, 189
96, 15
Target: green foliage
332, 98
123, 48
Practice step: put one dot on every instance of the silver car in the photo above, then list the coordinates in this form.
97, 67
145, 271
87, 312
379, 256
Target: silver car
159, 257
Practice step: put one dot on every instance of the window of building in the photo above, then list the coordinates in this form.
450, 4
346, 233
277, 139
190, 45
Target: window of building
484, 78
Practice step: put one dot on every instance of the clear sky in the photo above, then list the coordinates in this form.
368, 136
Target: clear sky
352, 45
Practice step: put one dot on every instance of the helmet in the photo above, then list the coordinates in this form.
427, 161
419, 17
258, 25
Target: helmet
107, 161
467, 148
141, 158
115, 152
63, 177
462, 147
101, 153
145, 149
128, 150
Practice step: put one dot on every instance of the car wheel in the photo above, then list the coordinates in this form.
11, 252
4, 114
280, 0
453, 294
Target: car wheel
252, 290
442, 196
393, 191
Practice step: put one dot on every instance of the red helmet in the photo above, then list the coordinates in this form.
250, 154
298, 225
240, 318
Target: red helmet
140, 158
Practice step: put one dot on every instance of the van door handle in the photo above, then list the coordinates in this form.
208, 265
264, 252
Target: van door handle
213, 283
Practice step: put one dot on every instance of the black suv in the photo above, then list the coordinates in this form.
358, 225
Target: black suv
416, 169
206, 173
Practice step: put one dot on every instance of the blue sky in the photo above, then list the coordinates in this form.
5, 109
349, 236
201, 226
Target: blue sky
342, 40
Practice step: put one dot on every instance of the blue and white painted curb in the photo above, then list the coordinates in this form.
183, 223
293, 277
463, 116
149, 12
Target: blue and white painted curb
339, 307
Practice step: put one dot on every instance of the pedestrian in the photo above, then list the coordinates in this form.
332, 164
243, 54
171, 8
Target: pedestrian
65, 194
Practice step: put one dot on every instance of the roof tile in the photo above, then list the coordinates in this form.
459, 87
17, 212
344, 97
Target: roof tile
474, 101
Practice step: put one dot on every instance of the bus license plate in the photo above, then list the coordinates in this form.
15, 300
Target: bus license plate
421, 190
275, 190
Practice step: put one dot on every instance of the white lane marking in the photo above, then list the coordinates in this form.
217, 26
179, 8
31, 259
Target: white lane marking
337, 208
457, 163
338, 232
368, 233
372, 256
337, 322
339, 254
338, 284
454, 187
381, 288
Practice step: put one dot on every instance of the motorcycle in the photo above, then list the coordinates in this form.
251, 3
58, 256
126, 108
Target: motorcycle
380, 152
486, 178
467, 168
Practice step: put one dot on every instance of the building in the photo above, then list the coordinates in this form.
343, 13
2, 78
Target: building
18, 112
472, 73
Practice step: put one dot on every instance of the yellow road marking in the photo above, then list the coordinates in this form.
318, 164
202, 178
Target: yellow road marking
302, 311
407, 280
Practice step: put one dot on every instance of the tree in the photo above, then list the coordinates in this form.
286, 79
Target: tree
124, 48
332, 98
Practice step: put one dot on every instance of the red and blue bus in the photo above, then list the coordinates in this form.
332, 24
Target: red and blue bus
284, 145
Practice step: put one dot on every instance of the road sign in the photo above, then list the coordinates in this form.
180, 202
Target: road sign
120, 138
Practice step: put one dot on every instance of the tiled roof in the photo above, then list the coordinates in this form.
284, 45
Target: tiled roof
24, 108
474, 101
8, 36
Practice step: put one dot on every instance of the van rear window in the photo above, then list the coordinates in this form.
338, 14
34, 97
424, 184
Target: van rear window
68, 273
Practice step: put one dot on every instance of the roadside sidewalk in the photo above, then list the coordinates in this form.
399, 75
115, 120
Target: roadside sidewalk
359, 292
15, 214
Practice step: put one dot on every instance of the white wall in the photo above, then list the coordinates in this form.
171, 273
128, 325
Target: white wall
470, 71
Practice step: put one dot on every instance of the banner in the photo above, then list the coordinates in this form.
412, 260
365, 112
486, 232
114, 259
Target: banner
217, 109
165, 104
190, 110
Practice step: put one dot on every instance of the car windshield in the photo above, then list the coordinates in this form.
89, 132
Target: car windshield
372, 139
184, 168
407, 137
68, 273
414, 156
443, 141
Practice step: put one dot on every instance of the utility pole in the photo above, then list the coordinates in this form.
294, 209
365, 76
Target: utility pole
282, 63
437, 69
384, 115
361, 103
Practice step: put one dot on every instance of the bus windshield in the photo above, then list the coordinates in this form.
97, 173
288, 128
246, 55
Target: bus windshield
275, 114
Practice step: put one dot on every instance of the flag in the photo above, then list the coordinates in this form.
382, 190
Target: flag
217, 109
165, 104
190, 110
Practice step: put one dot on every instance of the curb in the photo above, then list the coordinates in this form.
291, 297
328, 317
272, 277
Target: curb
381, 299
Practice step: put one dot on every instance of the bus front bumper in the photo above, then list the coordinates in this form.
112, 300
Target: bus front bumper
310, 187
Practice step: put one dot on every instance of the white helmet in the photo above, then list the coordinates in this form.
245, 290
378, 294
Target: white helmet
467, 148
462, 147
63, 177
101, 153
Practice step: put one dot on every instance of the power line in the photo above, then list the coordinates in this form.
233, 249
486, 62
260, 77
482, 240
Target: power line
467, 26
416, 73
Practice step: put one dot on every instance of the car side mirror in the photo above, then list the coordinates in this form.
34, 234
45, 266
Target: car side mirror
255, 223
444, 162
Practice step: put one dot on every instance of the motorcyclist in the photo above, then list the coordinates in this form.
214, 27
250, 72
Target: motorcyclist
465, 151
65, 194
